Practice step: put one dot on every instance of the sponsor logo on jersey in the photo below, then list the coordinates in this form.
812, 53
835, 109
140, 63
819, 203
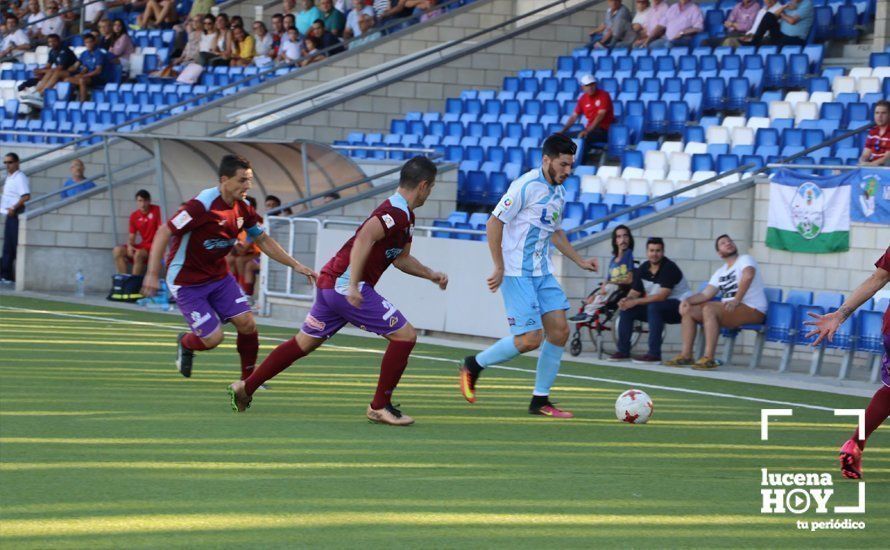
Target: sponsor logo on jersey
211, 244
240, 222
511, 321
388, 221
314, 323
392, 321
198, 320
393, 253
181, 219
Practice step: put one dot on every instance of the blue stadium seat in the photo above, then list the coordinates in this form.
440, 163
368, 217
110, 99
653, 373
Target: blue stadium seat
845, 21
656, 118
715, 94
632, 158
737, 94
702, 162
619, 138
776, 68
828, 300
678, 117
798, 69
799, 297
441, 234
498, 183
822, 24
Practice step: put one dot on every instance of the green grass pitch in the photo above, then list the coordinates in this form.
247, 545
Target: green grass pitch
104, 445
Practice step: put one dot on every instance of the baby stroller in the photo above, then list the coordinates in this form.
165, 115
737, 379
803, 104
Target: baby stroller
600, 320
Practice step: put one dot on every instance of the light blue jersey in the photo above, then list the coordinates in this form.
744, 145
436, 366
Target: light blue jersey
531, 210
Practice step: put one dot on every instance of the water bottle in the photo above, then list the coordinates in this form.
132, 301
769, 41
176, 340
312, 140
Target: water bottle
79, 284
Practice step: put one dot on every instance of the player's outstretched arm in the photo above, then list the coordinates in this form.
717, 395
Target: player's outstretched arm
369, 234
826, 325
561, 242
407, 263
494, 231
152, 272
271, 248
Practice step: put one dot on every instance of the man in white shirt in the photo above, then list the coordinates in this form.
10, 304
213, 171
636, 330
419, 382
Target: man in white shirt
743, 302
52, 25
353, 29
16, 192
15, 42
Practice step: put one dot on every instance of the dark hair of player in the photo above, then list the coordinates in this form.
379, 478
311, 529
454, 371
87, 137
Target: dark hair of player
13, 156
717, 240
655, 240
615, 235
559, 144
883, 103
230, 164
416, 170
143, 194
274, 199
251, 200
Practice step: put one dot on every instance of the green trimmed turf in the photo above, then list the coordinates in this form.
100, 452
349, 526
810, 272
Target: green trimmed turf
104, 445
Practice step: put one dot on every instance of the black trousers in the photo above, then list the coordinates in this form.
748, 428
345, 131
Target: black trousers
10, 244
770, 25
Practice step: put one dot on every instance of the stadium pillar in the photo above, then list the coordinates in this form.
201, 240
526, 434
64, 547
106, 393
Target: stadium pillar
110, 177
159, 177
882, 26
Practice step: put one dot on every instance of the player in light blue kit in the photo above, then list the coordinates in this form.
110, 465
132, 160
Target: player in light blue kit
522, 226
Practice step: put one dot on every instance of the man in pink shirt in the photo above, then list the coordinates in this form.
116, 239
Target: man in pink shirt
646, 32
677, 27
740, 21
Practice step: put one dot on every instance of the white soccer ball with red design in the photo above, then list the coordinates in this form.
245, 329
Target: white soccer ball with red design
634, 407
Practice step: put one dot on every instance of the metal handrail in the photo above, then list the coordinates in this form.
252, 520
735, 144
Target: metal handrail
426, 53
718, 177
218, 90
74, 8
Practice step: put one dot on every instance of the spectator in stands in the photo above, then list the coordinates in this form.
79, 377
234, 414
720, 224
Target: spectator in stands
156, 14
191, 53
307, 15
333, 19
16, 192
121, 9
638, 23
425, 9
208, 40
658, 287
388, 11
92, 14
596, 106
679, 24
366, 25
741, 18
877, 144
243, 48
646, 32
278, 31
77, 183
33, 17
289, 52
58, 68
144, 222
310, 51
223, 45
236, 21
289, 6
325, 39
200, 8
769, 6
90, 69
619, 276
352, 29
743, 302
273, 202
105, 35
121, 44
15, 42
290, 20
263, 44
788, 26
53, 24
615, 28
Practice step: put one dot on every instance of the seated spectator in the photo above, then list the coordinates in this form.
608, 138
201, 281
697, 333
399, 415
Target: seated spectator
310, 51
648, 24
619, 277
289, 52
263, 44
679, 24
615, 28
144, 222
277, 32
389, 11
333, 19
425, 9
209, 40
200, 8
769, 6
93, 12
325, 39
638, 23
741, 19
53, 24
658, 287
222, 49
353, 30
289, 6
272, 202
15, 42
596, 106
743, 302
33, 19
237, 21
58, 68
156, 13
105, 34
290, 20
121, 44
77, 183
243, 48
90, 69
191, 53
307, 15
121, 9
877, 144
789, 26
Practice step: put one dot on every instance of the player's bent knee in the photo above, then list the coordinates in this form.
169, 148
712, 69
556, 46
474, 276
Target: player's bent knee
213, 339
530, 341
405, 334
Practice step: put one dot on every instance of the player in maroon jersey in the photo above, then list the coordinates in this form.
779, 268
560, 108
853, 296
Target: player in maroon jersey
201, 234
879, 407
346, 294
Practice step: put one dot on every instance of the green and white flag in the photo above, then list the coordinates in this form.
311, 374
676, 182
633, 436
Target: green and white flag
809, 213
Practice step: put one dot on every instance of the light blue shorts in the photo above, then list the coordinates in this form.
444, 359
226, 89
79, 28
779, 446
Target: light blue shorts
527, 298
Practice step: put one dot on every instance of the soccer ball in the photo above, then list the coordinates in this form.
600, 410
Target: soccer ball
634, 407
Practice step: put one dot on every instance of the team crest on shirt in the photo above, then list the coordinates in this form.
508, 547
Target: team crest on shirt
181, 219
392, 321
388, 221
596, 103
240, 222
314, 323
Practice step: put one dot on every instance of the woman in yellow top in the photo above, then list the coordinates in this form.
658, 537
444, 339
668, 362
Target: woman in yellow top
243, 48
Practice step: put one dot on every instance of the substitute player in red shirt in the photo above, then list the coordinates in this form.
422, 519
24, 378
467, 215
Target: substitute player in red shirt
346, 295
596, 106
144, 221
879, 407
877, 144
201, 234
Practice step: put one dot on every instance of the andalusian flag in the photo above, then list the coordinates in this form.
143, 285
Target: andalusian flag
809, 213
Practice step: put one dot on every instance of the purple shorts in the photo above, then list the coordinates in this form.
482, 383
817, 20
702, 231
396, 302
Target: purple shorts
203, 306
885, 364
331, 311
